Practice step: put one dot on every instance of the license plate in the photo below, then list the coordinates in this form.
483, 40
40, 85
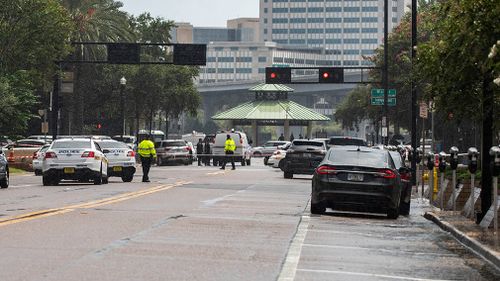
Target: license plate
117, 169
354, 177
69, 170
307, 155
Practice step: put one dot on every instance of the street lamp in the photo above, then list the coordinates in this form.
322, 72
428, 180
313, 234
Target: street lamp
123, 83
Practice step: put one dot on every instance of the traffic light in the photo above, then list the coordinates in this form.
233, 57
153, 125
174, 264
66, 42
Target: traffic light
331, 75
99, 126
278, 75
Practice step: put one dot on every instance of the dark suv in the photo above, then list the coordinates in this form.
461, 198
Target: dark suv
303, 157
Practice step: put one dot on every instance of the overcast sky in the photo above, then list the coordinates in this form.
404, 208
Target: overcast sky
198, 12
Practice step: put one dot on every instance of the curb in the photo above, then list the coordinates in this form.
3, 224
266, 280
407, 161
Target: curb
476, 247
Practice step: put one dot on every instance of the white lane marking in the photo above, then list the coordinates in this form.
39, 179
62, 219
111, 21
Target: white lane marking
292, 259
379, 250
25, 185
368, 275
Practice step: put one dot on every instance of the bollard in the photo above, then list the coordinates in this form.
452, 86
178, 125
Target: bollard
454, 165
442, 169
495, 169
430, 166
473, 158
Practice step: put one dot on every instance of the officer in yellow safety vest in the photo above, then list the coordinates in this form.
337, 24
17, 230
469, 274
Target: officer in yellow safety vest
229, 148
147, 152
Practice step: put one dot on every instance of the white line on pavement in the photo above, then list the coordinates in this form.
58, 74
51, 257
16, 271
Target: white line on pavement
292, 259
368, 275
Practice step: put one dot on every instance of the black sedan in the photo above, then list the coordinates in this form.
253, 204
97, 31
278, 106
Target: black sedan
405, 172
357, 179
303, 157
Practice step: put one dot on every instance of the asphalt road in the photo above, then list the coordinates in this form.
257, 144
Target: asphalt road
201, 223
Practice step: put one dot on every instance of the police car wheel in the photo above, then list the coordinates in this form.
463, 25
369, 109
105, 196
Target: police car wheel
127, 178
4, 183
98, 179
105, 180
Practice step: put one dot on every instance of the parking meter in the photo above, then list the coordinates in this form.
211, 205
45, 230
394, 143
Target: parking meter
473, 155
495, 161
430, 160
442, 161
454, 157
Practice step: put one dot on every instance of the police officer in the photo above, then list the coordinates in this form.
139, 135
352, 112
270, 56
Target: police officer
229, 148
147, 152
207, 152
199, 150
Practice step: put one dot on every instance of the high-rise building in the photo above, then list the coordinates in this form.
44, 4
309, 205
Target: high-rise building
347, 29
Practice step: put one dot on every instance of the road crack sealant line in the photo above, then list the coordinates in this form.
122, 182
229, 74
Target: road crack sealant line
469, 243
89, 205
289, 267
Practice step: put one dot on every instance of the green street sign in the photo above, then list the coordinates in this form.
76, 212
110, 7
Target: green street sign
380, 101
379, 93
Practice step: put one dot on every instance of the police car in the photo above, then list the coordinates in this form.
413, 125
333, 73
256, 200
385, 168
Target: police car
79, 159
121, 159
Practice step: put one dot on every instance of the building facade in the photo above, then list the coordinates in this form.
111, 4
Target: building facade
348, 29
236, 61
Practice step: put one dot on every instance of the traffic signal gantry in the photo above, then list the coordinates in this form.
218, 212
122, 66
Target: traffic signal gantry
284, 75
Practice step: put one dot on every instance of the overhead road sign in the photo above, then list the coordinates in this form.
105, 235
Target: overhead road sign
377, 97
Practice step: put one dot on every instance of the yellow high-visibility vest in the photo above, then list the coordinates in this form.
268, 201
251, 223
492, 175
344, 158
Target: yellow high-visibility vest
146, 149
230, 145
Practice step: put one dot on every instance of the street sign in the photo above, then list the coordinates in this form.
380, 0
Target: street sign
384, 132
45, 127
67, 87
380, 101
67, 76
379, 93
378, 97
424, 109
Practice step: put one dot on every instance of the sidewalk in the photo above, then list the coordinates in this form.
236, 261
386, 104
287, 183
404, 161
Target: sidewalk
483, 242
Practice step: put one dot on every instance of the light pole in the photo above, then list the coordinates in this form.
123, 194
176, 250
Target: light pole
123, 83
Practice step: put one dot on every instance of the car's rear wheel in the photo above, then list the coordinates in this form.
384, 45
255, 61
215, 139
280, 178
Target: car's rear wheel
265, 160
281, 164
288, 175
317, 208
249, 162
4, 183
98, 179
127, 178
45, 181
243, 163
393, 214
404, 208
105, 180
38, 172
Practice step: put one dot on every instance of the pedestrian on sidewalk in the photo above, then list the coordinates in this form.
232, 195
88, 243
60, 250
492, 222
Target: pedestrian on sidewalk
199, 150
229, 148
147, 153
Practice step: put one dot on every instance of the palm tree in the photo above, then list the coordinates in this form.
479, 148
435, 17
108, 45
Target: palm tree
95, 21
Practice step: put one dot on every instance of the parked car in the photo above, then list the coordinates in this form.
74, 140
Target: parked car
4, 171
242, 152
4, 140
20, 153
173, 151
278, 156
45, 138
357, 179
79, 159
303, 157
340, 141
38, 159
267, 148
128, 140
121, 159
405, 173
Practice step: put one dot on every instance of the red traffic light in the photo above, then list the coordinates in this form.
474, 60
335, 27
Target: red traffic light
273, 75
99, 126
331, 75
278, 75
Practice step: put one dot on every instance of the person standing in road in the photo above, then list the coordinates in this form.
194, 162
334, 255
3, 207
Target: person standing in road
147, 152
229, 148
207, 152
282, 137
199, 151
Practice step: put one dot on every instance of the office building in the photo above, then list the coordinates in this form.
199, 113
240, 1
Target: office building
348, 29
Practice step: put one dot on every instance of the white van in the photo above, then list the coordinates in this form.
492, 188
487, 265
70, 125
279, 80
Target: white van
242, 152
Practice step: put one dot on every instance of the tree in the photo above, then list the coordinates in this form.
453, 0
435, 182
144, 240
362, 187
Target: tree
459, 72
33, 34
